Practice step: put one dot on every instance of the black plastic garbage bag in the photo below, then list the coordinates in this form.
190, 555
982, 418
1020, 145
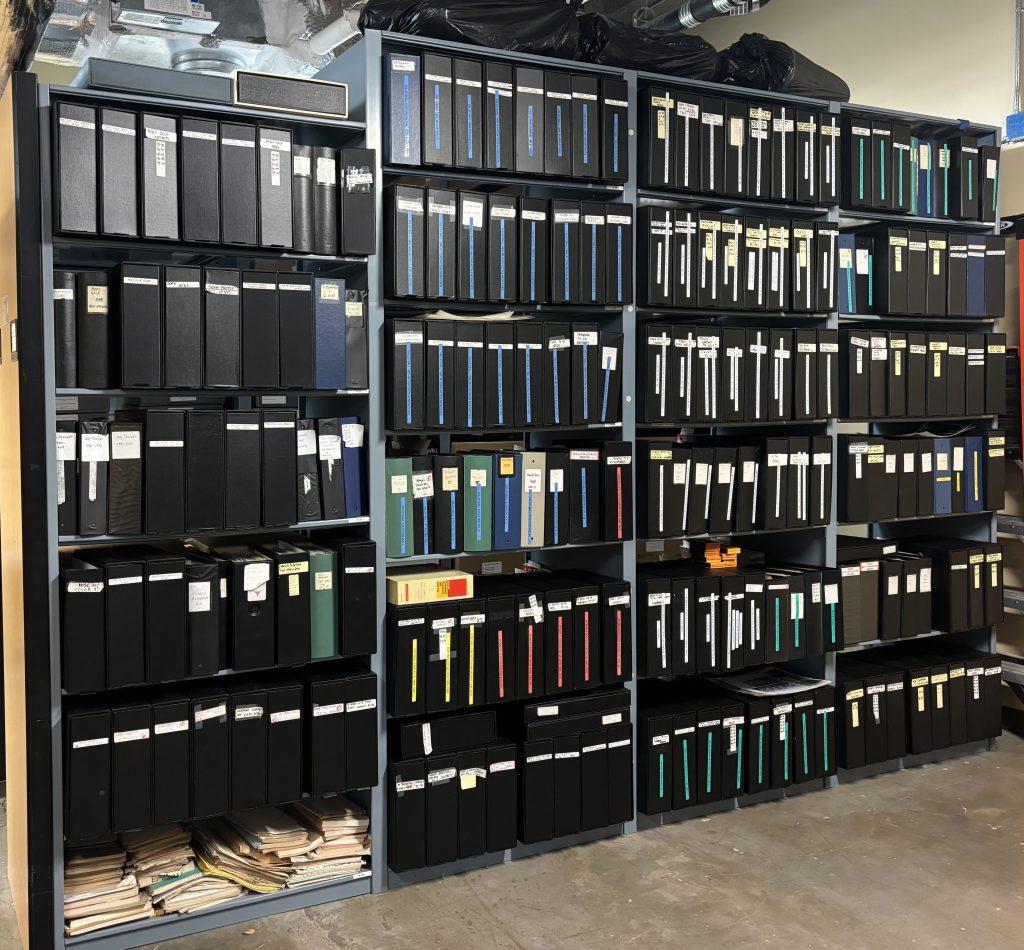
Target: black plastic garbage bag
615, 44
760, 63
541, 27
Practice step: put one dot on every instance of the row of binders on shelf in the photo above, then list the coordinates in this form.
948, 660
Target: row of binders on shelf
734, 736
708, 374
738, 148
170, 471
493, 116
693, 621
898, 272
716, 488
459, 788
894, 703
889, 168
501, 374
144, 615
886, 375
507, 500
881, 479
894, 590
522, 637
153, 327
122, 174
474, 247
213, 751
701, 259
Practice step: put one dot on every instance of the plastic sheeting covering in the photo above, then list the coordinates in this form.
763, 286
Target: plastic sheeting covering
610, 42
760, 63
540, 27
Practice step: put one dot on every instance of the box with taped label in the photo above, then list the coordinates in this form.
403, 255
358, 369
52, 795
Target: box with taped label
414, 586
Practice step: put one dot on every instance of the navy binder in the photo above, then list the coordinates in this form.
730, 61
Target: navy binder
943, 476
507, 503
352, 465
974, 464
976, 276
329, 315
402, 107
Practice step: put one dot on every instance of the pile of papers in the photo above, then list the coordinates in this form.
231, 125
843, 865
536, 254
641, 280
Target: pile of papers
178, 869
267, 849
99, 892
344, 830
164, 865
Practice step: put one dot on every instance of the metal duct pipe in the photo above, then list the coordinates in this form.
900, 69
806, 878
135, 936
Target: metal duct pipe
692, 12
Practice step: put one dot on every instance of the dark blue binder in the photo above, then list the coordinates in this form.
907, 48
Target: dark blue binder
329, 315
976, 276
943, 476
352, 464
508, 502
974, 464
402, 108
847, 274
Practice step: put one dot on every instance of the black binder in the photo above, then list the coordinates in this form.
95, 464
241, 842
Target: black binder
183, 328
302, 198
200, 181
238, 202
325, 200
159, 176
98, 364
119, 199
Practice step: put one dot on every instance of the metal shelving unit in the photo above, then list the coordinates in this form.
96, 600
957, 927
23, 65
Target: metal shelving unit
30, 388
30, 486
608, 558
977, 526
810, 545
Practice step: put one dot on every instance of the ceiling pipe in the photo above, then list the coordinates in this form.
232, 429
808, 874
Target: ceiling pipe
690, 13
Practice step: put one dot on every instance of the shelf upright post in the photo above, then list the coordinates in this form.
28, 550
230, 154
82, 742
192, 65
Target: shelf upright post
629, 389
832, 531
375, 443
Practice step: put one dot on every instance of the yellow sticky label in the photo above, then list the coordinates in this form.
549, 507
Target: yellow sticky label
467, 780
938, 696
661, 123
855, 712
330, 292
449, 479
293, 585
507, 466
295, 567
920, 699
323, 580
353, 308
709, 246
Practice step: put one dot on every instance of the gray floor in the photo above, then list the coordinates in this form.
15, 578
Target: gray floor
930, 857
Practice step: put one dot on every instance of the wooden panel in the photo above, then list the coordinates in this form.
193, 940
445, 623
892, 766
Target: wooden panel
11, 534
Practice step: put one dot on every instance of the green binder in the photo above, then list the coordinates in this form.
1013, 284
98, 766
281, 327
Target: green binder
323, 601
398, 511
476, 502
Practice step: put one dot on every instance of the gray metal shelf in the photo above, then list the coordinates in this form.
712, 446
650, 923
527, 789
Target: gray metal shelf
237, 911
728, 202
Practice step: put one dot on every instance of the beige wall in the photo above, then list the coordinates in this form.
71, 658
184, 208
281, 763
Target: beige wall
938, 57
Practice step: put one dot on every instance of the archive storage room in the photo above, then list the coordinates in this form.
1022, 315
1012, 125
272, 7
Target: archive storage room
534, 474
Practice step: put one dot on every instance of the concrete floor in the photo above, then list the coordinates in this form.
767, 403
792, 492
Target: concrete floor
930, 857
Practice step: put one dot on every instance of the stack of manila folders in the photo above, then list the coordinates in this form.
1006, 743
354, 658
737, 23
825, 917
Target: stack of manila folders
178, 869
